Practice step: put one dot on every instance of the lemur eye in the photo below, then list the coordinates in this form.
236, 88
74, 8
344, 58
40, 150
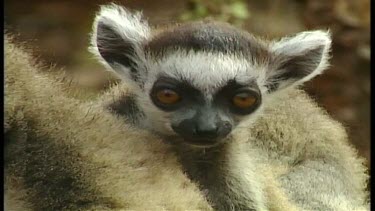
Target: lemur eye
244, 100
167, 96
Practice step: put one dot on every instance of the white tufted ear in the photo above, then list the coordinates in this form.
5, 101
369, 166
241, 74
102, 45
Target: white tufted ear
117, 39
298, 59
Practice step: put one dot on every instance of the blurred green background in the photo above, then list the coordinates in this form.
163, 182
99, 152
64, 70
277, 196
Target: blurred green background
57, 31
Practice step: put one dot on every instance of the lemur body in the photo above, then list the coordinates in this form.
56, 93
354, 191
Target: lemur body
62, 154
200, 86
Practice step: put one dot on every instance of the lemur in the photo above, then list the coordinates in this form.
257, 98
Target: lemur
201, 86
65, 154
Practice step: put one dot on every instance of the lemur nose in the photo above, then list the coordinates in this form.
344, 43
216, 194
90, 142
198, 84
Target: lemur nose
207, 131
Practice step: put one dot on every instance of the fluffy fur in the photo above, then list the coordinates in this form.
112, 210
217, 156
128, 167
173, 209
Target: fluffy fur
63, 155
302, 43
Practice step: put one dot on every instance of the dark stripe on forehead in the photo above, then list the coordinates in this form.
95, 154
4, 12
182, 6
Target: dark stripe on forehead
232, 85
209, 37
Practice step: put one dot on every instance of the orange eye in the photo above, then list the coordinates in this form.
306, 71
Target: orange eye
244, 100
167, 96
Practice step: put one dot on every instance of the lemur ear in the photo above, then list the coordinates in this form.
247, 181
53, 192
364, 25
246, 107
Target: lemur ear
298, 59
117, 39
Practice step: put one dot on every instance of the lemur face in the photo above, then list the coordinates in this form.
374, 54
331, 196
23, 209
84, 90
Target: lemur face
199, 80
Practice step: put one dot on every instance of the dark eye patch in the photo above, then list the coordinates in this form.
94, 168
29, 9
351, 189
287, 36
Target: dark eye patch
224, 97
188, 94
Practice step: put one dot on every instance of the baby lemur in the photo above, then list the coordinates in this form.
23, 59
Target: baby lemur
201, 86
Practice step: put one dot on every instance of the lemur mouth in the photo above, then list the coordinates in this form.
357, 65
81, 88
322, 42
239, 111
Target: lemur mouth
203, 142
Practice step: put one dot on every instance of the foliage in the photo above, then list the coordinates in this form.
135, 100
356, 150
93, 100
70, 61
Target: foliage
232, 11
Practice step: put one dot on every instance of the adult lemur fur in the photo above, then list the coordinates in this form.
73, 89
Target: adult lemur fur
62, 154
202, 86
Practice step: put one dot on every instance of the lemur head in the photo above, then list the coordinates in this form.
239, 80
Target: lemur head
200, 80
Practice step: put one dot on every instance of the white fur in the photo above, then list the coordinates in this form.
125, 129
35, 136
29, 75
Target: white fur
303, 42
205, 71
128, 25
